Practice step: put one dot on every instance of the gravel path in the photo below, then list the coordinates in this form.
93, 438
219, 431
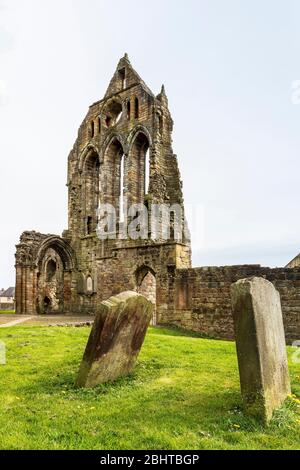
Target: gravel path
46, 320
14, 322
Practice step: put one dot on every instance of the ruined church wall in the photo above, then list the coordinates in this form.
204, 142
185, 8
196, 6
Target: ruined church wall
116, 270
199, 298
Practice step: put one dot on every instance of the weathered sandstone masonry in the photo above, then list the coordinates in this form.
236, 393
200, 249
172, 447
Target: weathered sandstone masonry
199, 298
123, 152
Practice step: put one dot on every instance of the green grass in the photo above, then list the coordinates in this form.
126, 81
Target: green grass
183, 394
7, 312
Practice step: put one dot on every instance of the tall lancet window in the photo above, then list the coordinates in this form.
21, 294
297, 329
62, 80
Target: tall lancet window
91, 191
113, 184
147, 171
121, 203
139, 164
136, 108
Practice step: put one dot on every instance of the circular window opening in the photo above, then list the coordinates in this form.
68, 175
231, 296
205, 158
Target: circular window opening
113, 113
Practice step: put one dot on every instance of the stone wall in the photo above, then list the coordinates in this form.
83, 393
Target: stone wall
123, 152
122, 135
199, 298
7, 306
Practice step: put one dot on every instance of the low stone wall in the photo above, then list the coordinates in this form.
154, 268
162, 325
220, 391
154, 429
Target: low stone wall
199, 298
7, 306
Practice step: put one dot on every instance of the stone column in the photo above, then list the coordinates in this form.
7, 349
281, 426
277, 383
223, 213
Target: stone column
67, 292
29, 289
18, 294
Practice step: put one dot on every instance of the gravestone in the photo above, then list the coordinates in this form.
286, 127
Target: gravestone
116, 339
261, 347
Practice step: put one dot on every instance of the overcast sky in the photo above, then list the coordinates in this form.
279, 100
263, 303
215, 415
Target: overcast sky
228, 68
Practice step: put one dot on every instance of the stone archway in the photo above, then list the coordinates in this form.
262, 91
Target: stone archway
51, 283
55, 264
146, 285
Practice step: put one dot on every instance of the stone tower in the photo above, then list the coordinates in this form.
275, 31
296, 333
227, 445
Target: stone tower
122, 156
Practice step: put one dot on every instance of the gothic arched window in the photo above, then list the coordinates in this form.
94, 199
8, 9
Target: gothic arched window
136, 108
89, 285
139, 161
91, 190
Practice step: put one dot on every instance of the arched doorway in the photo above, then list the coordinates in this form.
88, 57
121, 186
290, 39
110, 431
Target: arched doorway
55, 267
146, 285
47, 305
51, 283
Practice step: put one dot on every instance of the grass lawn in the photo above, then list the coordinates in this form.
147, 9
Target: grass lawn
183, 394
7, 312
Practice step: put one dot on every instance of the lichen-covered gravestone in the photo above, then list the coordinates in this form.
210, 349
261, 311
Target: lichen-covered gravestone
116, 339
261, 347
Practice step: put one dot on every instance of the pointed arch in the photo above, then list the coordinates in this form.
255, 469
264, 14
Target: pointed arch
112, 136
91, 191
137, 130
138, 152
85, 152
55, 261
113, 183
145, 279
60, 246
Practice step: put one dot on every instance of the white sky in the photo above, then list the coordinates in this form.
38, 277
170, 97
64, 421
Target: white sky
228, 69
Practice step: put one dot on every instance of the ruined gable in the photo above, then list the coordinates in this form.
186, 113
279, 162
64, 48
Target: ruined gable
122, 156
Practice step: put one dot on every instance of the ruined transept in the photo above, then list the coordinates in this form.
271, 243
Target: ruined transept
123, 156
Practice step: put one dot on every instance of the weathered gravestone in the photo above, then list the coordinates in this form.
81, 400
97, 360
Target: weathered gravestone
116, 339
261, 347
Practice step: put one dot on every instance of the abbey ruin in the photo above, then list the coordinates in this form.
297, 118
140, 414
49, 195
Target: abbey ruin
123, 156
